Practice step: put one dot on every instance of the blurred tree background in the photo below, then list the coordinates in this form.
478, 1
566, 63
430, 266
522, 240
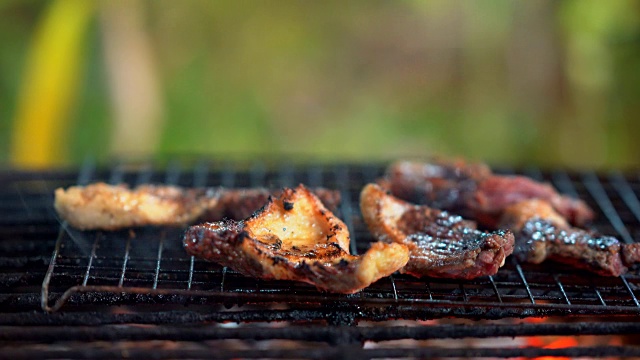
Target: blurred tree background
554, 83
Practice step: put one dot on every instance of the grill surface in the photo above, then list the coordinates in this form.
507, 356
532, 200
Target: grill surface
148, 271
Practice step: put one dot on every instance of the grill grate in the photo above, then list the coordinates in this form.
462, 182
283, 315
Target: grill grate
148, 273
149, 265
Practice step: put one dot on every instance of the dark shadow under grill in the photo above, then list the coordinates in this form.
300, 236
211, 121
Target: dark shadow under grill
148, 273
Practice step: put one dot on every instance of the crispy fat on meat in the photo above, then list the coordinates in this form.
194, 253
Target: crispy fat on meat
440, 244
472, 190
111, 207
294, 237
542, 234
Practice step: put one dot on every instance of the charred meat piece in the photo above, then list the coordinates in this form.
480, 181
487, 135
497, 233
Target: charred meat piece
111, 207
473, 191
441, 244
440, 183
294, 237
542, 234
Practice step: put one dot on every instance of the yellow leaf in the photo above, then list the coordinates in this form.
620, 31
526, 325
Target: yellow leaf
49, 84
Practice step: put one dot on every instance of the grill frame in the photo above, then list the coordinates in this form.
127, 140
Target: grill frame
114, 314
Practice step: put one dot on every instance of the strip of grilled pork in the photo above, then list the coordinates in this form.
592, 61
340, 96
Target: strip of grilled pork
111, 207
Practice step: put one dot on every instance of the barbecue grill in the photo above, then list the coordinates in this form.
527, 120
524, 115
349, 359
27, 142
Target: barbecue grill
136, 293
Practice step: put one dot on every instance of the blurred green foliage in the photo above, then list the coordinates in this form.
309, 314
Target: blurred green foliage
554, 83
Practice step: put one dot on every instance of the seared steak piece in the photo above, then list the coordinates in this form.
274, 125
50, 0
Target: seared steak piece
294, 237
473, 191
111, 207
441, 244
542, 234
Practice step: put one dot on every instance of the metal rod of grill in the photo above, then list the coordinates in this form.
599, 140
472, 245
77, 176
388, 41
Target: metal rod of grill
330, 334
351, 352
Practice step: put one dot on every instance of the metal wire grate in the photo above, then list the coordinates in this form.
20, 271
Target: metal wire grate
149, 265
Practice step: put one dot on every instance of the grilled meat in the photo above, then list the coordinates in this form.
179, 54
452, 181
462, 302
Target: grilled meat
294, 237
542, 234
111, 207
441, 244
473, 191
496, 193
440, 184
